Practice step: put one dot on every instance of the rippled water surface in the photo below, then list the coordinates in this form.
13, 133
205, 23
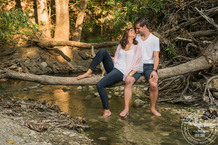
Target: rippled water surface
140, 128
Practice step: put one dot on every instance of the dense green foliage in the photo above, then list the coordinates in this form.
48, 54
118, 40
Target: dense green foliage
110, 17
13, 25
104, 21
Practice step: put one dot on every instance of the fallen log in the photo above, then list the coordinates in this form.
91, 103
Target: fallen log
52, 43
209, 58
198, 64
204, 33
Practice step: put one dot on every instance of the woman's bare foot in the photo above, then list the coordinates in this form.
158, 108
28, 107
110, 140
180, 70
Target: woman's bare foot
155, 113
124, 113
85, 75
106, 114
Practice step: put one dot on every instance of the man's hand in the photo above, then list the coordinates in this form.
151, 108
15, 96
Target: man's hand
154, 76
129, 80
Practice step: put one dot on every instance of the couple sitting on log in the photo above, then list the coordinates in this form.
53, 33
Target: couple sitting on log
136, 55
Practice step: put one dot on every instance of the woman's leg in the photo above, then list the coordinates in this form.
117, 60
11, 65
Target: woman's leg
113, 77
101, 56
128, 94
127, 97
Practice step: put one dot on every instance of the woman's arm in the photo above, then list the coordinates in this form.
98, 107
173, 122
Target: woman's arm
132, 73
138, 60
116, 53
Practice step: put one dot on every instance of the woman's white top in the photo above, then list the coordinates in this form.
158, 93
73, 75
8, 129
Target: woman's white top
120, 64
126, 61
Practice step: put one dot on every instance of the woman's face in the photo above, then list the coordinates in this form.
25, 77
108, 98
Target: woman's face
132, 33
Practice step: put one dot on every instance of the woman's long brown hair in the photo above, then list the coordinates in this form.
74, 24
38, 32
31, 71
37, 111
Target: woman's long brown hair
124, 40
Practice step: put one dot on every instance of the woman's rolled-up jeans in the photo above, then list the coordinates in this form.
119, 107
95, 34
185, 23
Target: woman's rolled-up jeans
113, 75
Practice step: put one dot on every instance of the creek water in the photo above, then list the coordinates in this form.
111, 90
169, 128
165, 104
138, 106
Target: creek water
139, 128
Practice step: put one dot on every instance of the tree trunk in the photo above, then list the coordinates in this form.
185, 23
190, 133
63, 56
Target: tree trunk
79, 22
62, 20
18, 4
43, 19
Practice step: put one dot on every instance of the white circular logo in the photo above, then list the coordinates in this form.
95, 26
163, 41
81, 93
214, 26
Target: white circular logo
198, 131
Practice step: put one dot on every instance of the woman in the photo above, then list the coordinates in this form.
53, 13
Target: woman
127, 61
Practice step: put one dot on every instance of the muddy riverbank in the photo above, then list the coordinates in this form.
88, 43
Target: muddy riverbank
29, 122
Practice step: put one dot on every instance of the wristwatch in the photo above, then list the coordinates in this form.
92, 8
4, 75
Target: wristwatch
154, 70
130, 74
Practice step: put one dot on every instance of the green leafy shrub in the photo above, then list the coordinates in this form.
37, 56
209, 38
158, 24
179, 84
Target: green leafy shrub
2, 88
170, 51
15, 24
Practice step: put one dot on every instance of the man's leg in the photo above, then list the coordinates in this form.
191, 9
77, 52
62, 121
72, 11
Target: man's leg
148, 68
128, 94
153, 97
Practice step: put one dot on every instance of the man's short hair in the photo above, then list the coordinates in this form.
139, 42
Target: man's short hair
142, 22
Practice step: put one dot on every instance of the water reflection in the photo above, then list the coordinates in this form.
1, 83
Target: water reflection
62, 99
140, 128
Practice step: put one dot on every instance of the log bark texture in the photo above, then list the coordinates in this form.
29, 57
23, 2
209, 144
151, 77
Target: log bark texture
50, 43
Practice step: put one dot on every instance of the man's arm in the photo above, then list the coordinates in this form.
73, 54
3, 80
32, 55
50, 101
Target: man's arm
154, 75
156, 59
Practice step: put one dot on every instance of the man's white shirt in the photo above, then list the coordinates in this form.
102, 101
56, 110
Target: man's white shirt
149, 45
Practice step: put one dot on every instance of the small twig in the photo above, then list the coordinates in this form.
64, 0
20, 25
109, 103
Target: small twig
183, 39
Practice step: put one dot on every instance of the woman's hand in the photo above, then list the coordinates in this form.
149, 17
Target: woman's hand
112, 58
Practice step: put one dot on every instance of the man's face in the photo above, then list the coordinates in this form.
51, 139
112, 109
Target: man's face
139, 29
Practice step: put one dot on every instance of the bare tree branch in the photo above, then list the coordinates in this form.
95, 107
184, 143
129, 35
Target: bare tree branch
210, 20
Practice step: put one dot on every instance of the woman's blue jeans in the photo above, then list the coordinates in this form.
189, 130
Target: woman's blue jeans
113, 75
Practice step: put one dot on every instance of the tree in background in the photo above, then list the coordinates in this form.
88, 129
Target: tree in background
15, 24
62, 20
43, 18
105, 20
79, 22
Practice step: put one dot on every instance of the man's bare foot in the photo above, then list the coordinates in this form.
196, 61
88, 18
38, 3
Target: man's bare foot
155, 113
124, 113
106, 114
85, 75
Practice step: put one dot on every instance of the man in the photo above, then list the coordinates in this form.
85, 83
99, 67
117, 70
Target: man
151, 47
